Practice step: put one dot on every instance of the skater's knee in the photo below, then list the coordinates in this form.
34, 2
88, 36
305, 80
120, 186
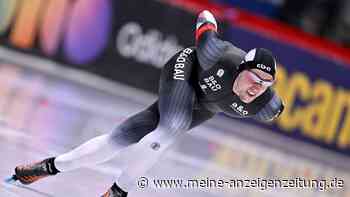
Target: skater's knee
119, 139
135, 128
157, 141
166, 134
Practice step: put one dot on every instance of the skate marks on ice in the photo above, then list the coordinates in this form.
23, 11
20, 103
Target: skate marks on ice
11, 187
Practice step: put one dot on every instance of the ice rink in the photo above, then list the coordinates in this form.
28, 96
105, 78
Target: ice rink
48, 112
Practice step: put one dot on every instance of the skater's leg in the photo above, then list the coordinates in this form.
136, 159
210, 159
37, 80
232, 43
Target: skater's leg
176, 101
105, 147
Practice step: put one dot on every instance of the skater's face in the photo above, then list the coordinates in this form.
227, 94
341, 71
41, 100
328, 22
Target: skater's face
250, 84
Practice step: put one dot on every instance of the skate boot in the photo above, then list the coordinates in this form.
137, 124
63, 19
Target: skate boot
28, 174
115, 191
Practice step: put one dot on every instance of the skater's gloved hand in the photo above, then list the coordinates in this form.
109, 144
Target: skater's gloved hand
205, 22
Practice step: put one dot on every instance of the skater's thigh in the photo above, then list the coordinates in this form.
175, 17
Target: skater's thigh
176, 92
137, 126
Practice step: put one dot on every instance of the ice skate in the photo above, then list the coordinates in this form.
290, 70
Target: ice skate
28, 174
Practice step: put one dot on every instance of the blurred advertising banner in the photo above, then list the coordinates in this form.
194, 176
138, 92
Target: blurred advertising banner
127, 41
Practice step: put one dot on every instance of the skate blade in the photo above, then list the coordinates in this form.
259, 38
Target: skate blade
11, 179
